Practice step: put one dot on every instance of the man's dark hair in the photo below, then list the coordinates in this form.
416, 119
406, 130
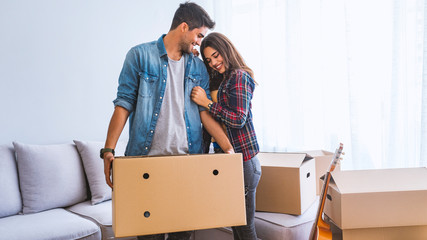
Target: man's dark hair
192, 14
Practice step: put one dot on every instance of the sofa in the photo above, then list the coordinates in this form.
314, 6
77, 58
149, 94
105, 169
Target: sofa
59, 192
54, 192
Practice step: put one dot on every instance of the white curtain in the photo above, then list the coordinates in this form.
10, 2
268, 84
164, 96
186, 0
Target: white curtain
330, 71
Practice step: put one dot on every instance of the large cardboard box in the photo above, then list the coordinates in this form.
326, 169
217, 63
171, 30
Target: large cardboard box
177, 193
323, 159
287, 183
386, 233
374, 203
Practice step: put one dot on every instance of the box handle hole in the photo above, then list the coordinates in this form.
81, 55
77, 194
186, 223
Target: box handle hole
329, 197
308, 174
215, 172
146, 175
146, 214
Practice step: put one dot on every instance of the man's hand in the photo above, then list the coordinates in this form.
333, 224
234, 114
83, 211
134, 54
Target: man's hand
108, 164
195, 52
198, 95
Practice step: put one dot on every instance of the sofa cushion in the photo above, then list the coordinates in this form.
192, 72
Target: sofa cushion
50, 176
280, 226
94, 168
52, 224
10, 200
101, 214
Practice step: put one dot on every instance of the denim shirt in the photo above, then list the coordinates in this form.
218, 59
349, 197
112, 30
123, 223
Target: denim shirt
141, 89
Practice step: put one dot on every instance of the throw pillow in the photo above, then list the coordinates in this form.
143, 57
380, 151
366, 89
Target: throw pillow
94, 168
50, 176
10, 200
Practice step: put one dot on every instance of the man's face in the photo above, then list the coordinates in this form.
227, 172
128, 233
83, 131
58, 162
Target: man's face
191, 38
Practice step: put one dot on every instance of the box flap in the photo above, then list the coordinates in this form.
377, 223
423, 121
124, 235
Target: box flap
318, 153
380, 180
290, 160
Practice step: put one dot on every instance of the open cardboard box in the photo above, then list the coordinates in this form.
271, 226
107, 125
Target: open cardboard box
322, 159
160, 194
372, 204
287, 183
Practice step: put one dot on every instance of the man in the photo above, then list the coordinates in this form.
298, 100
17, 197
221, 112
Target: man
154, 93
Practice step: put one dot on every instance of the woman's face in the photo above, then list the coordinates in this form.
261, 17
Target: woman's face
214, 59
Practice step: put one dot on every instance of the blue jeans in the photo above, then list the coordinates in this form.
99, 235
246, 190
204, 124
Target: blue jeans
171, 236
252, 174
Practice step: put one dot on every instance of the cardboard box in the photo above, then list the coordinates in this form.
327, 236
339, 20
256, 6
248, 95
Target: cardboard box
322, 159
287, 183
388, 233
372, 201
177, 193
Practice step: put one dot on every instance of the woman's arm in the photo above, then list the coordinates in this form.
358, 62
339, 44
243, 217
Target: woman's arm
240, 92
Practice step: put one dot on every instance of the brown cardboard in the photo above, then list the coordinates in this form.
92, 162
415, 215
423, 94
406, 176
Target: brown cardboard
377, 198
388, 233
287, 183
177, 193
323, 159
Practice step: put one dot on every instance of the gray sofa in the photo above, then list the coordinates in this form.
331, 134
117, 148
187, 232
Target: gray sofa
54, 192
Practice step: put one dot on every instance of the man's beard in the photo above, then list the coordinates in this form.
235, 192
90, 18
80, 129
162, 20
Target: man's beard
185, 47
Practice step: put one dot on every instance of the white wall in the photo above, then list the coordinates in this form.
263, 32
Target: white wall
60, 62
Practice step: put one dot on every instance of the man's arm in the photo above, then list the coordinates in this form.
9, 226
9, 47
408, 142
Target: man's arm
117, 123
216, 131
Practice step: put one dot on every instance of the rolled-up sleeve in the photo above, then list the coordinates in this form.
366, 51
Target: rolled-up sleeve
127, 92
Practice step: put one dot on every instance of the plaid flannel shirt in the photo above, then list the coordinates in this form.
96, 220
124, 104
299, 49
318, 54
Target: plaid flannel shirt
234, 110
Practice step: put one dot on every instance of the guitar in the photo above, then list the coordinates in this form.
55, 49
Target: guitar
321, 230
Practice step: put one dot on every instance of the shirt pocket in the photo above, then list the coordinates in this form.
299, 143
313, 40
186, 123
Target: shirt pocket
147, 83
193, 80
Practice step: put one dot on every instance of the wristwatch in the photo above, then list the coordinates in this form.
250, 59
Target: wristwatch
104, 150
210, 105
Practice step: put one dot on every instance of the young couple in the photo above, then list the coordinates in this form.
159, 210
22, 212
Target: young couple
165, 91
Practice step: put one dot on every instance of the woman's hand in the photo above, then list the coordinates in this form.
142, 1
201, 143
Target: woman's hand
198, 95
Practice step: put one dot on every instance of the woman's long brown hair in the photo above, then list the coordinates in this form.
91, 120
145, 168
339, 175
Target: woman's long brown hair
232, 59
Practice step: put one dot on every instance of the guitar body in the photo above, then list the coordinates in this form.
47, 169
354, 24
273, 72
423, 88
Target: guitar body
323, 232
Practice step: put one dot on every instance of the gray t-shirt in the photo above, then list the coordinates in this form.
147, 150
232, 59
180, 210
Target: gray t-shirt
170, 136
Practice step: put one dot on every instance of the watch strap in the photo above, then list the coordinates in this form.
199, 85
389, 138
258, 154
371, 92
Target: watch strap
104, 150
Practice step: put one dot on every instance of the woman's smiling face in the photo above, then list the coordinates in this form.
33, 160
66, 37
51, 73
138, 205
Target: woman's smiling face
214, 59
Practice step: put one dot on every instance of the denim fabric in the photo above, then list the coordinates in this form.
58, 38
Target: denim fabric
171, 236
252, 174
141, 89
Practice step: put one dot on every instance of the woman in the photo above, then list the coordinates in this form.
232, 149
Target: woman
234, 79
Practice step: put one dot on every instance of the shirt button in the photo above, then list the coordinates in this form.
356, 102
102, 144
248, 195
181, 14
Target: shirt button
161, 97
152, 131
164, 65
190, 144
146, 147
155, 114
164, 80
